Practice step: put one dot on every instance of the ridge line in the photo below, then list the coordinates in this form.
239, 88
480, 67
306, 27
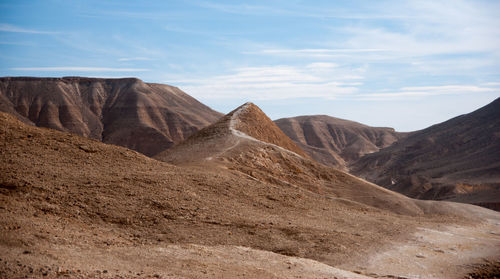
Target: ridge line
233, 121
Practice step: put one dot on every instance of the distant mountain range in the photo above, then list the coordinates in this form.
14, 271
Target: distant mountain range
235, 198
457, 160
146, 117
336, 142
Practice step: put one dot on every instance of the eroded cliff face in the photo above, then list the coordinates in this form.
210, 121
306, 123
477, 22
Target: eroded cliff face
146, 117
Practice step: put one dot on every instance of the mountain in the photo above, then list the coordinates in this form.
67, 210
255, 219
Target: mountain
146, 117
456, 160
247, 141
75, 207
336, 142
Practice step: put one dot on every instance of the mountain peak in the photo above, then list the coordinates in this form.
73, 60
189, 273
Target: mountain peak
249, 121
244, 126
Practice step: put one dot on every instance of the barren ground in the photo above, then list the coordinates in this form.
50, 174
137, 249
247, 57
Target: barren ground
75, 207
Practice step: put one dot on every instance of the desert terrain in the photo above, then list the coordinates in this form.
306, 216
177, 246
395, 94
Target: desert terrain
334, 141
250, 139
146, 117
231, 201
457, 160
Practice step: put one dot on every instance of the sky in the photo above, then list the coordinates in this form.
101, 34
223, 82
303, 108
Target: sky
402, 64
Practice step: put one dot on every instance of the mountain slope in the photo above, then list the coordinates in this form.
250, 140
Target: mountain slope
271, 157
336, 142
146, 117
454, 160
78, 208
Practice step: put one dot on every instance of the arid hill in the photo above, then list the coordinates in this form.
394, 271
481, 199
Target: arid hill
457, 160
75, 207
246, 140
146, 117
336, 142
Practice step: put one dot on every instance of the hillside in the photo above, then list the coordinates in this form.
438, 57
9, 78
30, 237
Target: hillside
455, 160
266, 154
78, 208
336, 142
146, 117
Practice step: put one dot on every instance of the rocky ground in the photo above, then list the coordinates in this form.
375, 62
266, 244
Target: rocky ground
74, 207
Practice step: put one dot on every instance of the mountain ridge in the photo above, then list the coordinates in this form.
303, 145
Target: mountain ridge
146, 117
334, 141
72, 206
454, 160
222, 144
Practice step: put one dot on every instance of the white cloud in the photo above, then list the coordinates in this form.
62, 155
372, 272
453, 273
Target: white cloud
422, 30
293, 10
78, 69
493, 84
422, 91
274, 82
125, 59
321, 65
434, 27
314, 52
448, 88
318, 50
16, 29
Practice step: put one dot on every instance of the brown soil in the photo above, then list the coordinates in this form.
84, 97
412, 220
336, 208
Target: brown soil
75, 207
488, 270
271, 164
255, 123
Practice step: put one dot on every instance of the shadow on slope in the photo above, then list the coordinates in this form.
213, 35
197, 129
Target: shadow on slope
456, 160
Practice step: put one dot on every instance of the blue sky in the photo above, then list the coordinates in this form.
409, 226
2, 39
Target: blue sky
403, 64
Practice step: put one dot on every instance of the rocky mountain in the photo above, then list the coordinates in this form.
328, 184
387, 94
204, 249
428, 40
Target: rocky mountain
146, 117
336, 142
78, 208
456, 160
266, 155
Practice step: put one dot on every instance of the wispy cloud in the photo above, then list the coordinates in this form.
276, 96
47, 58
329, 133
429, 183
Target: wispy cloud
492, 84
148, 15
17, 43
294, 10
314, 53
16, 29
423, 30
274, 82
321, 65
78, 69
317, 51
125, 59
424, 91
466, 27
